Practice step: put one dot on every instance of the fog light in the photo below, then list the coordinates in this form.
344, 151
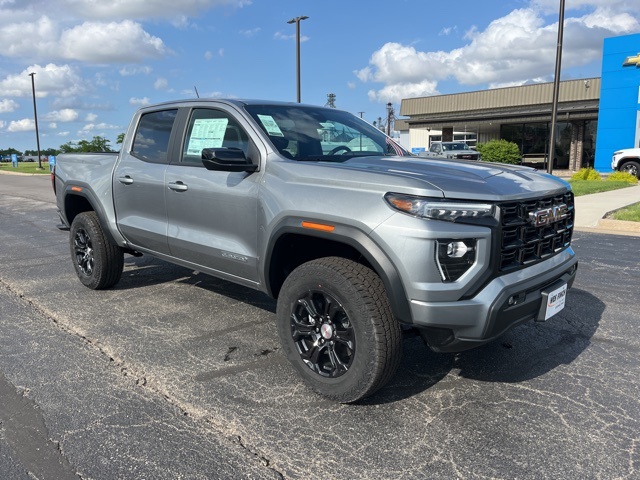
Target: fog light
455, 257
456, 249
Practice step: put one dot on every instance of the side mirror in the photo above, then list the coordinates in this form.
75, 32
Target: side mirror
227, 160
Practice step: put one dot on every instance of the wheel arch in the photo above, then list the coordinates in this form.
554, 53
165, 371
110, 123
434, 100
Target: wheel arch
79, 199
292, 245
624, 160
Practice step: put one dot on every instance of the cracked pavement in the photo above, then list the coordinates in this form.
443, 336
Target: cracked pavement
174, 374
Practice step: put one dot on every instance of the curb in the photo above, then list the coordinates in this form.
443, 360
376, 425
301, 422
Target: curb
619, 225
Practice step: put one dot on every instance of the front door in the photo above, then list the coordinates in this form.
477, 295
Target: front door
212, 215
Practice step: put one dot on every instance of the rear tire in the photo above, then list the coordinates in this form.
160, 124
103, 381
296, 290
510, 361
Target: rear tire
98, 263
337, 329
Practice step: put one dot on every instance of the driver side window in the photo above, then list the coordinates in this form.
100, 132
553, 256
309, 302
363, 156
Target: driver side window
209, 128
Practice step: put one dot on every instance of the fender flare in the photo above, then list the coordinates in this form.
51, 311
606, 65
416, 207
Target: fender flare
358, 240
81, 189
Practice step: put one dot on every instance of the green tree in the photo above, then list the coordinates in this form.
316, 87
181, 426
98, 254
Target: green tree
501, 151
97, 144
120, 139
9, 151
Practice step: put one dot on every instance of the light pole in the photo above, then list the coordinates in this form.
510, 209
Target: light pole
556, 89
297, 21
35, 116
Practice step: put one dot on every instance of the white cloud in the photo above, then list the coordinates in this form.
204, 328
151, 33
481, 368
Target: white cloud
24, 125
31, 38
64, 115
91, 117
282, 36
396, 92
8, 105
515, 49
95, 42
2, 124
143, 9
250, 33
63, 134
161, 84
61, 80
100, 126
129, 70
208, 55
140, 102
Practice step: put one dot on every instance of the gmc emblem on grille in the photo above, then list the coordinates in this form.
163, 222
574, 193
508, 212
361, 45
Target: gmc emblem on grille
549, 215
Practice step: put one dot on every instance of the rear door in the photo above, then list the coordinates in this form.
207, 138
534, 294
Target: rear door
212, 215
139, 182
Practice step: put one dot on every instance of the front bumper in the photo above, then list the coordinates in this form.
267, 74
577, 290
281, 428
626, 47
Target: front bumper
502, 304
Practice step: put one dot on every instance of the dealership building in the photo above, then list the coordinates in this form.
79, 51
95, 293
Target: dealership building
595, 116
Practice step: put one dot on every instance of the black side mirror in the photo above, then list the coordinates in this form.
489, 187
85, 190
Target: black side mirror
227, 160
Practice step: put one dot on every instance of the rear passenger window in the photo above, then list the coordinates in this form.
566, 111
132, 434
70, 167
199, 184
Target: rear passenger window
151, 142
210, 128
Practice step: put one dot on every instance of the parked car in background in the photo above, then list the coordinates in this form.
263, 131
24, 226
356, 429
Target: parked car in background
457, 150
627, 160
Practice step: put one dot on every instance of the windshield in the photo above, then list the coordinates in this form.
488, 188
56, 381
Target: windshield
321, 134
455, 146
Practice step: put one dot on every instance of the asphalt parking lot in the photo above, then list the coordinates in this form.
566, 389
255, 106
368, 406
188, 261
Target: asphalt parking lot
173, 374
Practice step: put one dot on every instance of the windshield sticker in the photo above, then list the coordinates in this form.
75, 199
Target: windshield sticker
206, 133
270, 125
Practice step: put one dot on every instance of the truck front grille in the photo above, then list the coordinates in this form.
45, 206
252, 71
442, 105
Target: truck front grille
534, 230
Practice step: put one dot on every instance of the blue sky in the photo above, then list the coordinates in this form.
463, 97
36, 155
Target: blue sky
97, 61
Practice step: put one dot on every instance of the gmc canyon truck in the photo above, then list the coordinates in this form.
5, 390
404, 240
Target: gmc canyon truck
357, 239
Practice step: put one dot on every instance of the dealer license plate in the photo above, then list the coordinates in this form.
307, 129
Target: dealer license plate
553, 302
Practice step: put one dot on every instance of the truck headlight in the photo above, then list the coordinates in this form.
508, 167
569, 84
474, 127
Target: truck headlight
439, 210
455, 257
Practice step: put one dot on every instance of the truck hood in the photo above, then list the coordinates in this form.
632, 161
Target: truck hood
459, 179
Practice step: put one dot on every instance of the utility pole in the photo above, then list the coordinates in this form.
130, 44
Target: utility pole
556, 88
35, 115
297, 21
390, 118
331, 100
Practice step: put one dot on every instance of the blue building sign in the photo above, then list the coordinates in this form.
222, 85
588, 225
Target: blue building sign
619, 115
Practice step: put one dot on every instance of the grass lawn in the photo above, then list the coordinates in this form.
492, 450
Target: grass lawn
629, 214
25, 167
585, 187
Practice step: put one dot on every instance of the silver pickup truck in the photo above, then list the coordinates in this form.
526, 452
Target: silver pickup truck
357, 239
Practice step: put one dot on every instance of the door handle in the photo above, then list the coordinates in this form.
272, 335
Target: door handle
127, 180
178, 186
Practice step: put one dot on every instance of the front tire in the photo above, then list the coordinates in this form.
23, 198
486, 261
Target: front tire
337, 329
631, 167
98, 263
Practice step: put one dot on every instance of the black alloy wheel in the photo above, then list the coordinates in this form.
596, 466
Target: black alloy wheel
323, 334
337, 329
631, 167
83, 249
97, 261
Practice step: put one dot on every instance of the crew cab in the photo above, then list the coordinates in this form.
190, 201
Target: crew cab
358, 240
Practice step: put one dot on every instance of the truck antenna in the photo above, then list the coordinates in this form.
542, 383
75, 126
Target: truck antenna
196, 89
